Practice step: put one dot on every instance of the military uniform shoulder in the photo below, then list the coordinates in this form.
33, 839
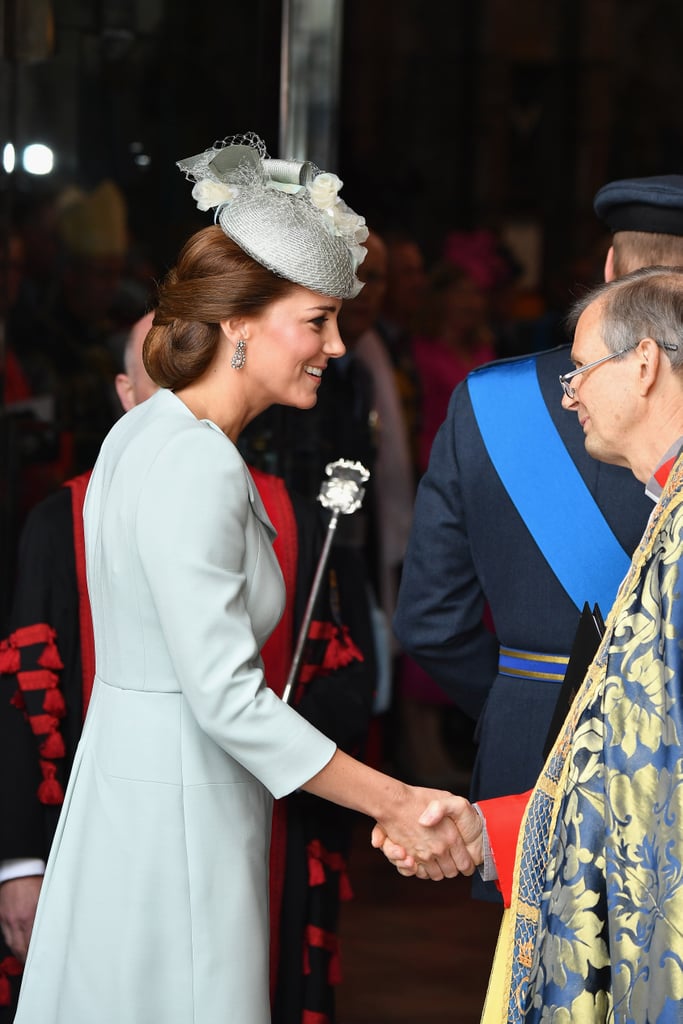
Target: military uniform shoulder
549, 358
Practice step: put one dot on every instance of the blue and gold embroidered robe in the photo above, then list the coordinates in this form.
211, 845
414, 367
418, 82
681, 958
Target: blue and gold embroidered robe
595, 928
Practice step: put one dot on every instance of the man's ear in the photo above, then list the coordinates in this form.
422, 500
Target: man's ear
650, 355
609, 274
124, 389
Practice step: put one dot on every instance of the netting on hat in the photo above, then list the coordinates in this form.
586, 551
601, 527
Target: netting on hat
286, 214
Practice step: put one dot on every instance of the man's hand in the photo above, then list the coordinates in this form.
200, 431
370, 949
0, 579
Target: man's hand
18, 902
465, 853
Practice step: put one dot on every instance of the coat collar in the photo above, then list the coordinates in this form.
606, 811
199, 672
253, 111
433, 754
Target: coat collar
165, 396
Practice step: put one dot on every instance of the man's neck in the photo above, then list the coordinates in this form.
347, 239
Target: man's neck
660, 474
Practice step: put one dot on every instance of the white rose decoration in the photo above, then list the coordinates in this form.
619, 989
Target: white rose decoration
208, 193
358, 254
323, 190
349, 224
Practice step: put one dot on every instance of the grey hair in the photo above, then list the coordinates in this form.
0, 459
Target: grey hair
648, 303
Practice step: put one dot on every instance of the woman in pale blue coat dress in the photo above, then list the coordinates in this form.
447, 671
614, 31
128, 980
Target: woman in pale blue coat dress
154, 904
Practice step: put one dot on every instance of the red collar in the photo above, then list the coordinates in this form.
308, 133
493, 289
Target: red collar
662, 474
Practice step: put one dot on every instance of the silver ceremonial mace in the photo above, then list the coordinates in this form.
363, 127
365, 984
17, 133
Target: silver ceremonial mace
343, 492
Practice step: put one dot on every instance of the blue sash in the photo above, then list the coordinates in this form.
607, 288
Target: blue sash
544, 484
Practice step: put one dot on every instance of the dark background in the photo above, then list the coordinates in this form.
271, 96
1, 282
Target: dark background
453, 113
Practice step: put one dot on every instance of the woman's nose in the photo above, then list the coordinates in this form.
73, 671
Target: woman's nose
334, 347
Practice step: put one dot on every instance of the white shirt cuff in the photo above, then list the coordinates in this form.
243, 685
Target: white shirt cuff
487, 870
20, 867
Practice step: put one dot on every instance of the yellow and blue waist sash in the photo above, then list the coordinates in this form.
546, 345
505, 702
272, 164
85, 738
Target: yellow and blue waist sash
549, 668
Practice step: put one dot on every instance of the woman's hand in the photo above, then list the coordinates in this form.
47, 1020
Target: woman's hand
442, 840
416, 820
465, 850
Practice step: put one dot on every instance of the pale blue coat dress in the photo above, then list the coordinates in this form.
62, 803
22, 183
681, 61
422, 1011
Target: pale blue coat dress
154, 908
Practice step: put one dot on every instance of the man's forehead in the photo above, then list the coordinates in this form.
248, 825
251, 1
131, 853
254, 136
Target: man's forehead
589, 327
590, 321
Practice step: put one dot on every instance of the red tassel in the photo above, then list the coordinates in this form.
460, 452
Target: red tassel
335, 861
335, 655
18, 701
345, 890
9, 968
328, 941
321, 939
341, 650
334, 972
311, 1017
51, 793
50, 657
319, 630
53, 746
38, 633
42, 724
50, 789
37, 679
307, 673
54, 703
316, 872
10, 660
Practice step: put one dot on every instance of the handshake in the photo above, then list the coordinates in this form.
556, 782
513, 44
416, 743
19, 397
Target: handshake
444, 838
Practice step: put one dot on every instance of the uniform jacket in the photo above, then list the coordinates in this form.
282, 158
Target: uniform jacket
469, 547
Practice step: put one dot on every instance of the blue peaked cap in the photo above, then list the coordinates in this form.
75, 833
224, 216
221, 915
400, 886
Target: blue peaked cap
653, 205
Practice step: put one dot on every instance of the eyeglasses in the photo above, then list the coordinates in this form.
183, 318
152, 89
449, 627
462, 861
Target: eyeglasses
566, 377
570, 392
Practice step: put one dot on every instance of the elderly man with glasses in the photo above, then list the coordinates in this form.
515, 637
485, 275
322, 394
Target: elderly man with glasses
593, 880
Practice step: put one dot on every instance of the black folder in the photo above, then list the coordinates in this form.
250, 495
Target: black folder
586, 641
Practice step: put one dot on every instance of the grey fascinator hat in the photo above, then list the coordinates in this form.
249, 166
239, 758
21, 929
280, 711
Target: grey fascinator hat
285, 214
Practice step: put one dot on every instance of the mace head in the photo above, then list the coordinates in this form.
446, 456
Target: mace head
343, 492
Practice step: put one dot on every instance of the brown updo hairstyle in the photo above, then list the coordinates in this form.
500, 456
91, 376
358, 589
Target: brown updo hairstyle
213, 280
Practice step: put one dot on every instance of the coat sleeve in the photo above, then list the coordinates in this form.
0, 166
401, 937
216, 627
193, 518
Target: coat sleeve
192, 522
503, 816
440, 604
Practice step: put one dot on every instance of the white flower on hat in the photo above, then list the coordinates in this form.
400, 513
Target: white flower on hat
358, 254
208, 193
324, 190
349, 224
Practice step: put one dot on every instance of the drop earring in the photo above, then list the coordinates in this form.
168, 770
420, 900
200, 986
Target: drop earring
239, 356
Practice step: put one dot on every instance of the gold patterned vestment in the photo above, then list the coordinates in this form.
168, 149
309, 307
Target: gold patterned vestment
594, 932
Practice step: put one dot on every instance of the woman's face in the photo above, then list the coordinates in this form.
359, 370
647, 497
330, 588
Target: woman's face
288, 347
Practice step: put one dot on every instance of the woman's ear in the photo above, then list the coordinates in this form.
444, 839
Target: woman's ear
235, 328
